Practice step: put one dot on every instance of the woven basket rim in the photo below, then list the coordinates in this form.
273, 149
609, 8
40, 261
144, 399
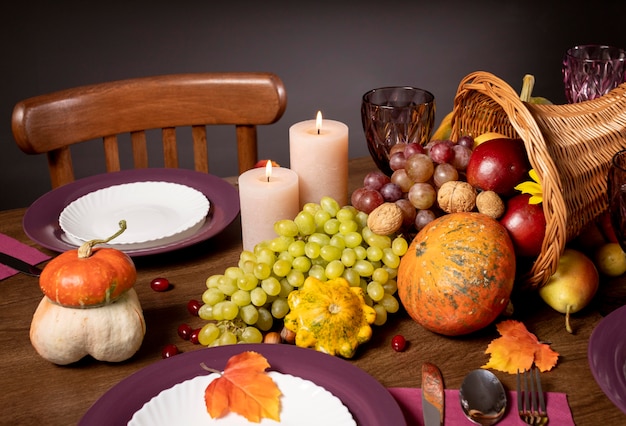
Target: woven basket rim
527, 129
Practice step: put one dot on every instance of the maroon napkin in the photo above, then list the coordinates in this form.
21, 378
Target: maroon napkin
20, 250
410, 400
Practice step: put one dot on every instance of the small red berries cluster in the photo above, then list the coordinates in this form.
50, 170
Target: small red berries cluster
185, 331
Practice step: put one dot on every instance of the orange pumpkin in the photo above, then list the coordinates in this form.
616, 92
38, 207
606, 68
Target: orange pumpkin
87, 276
458, 273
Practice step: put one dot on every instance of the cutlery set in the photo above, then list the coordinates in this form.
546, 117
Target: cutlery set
483, 398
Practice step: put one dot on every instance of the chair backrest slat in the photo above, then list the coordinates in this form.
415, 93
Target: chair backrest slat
200, 150
140, 149
111, 153
170, 151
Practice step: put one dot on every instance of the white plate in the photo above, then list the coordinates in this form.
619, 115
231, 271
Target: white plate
153, 211
303, 403
147, 245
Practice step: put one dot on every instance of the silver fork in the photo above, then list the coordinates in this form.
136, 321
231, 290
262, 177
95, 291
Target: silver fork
530, 400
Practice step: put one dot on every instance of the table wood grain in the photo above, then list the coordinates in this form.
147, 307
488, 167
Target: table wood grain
34, 391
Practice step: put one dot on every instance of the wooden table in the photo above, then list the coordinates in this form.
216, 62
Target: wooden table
34, 391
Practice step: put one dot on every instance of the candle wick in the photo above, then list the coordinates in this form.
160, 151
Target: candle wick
268, 178
318, 131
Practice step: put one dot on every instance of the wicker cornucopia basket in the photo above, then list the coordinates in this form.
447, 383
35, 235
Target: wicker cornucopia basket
570, 147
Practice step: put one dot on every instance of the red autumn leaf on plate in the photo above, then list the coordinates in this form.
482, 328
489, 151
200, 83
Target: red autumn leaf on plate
244, 388
518, 349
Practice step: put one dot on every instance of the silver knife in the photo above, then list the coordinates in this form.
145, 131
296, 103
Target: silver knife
19, 265
432, 395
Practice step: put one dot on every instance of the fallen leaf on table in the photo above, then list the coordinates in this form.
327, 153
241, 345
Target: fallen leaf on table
518, 349
244, 388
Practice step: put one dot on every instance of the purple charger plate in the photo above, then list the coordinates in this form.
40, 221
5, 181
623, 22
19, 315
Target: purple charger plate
369, 402
607, 356
41, 221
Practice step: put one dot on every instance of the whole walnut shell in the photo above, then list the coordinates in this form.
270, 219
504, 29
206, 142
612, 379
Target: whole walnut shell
385, 219
456, 196
490, 203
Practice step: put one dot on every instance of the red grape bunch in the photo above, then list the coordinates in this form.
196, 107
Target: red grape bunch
418, 173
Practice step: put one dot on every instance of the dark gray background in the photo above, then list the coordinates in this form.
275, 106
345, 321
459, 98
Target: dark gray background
327, 53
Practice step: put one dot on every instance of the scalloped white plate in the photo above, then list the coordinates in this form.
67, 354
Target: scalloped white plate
303, 403
153, 211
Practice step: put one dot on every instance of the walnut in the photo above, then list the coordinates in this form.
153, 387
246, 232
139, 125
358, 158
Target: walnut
490, 203
385, 219
456, 196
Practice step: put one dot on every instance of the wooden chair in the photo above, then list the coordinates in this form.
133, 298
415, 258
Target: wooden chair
51, 123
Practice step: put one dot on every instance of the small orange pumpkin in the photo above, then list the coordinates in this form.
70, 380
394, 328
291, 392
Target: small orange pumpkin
458, 273
88, 276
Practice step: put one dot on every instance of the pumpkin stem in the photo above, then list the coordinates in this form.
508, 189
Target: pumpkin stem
86, 249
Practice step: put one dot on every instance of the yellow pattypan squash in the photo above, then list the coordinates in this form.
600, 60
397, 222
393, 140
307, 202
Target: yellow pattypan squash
330, 316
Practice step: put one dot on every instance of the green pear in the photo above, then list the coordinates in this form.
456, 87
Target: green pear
572, 286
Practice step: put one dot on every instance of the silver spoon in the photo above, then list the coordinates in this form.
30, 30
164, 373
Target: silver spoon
482, 397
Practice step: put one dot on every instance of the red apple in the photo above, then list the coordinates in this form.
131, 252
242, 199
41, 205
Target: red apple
526, 224
263, 163
498, 165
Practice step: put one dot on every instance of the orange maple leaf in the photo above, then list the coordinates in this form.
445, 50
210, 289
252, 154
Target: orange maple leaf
517, 349
244, 388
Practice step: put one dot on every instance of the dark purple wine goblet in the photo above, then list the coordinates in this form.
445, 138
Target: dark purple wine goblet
396, 114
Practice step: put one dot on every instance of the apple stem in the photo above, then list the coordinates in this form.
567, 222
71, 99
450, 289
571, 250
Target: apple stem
567, 324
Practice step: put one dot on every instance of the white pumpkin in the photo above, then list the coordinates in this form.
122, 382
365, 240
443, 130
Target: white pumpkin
112, 333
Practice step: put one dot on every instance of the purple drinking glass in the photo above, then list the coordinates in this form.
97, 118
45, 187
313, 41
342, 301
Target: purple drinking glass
616, 188
592, 70
396, 114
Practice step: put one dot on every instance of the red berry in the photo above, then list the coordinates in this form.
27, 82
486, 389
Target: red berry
160, 284
169, 351
184, 331
193, 337
398, 343
193, 306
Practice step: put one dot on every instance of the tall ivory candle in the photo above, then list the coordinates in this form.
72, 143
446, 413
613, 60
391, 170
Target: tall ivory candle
266, 195
318, 152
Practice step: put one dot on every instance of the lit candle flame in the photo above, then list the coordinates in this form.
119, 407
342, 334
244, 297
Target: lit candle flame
318, 122
268, 170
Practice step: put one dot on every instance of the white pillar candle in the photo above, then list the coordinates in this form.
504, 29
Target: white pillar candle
264, 200
318, 152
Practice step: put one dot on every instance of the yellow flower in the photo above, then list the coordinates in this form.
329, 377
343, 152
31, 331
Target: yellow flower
532, 187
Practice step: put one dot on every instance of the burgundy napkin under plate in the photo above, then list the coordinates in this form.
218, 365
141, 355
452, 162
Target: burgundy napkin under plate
410, 401
20, 250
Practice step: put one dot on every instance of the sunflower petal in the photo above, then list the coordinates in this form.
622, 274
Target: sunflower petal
532, 187
534, 176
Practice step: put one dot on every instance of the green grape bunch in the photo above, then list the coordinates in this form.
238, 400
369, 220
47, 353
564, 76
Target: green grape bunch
325, 241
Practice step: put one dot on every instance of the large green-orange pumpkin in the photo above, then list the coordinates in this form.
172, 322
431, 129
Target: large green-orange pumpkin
458, 273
